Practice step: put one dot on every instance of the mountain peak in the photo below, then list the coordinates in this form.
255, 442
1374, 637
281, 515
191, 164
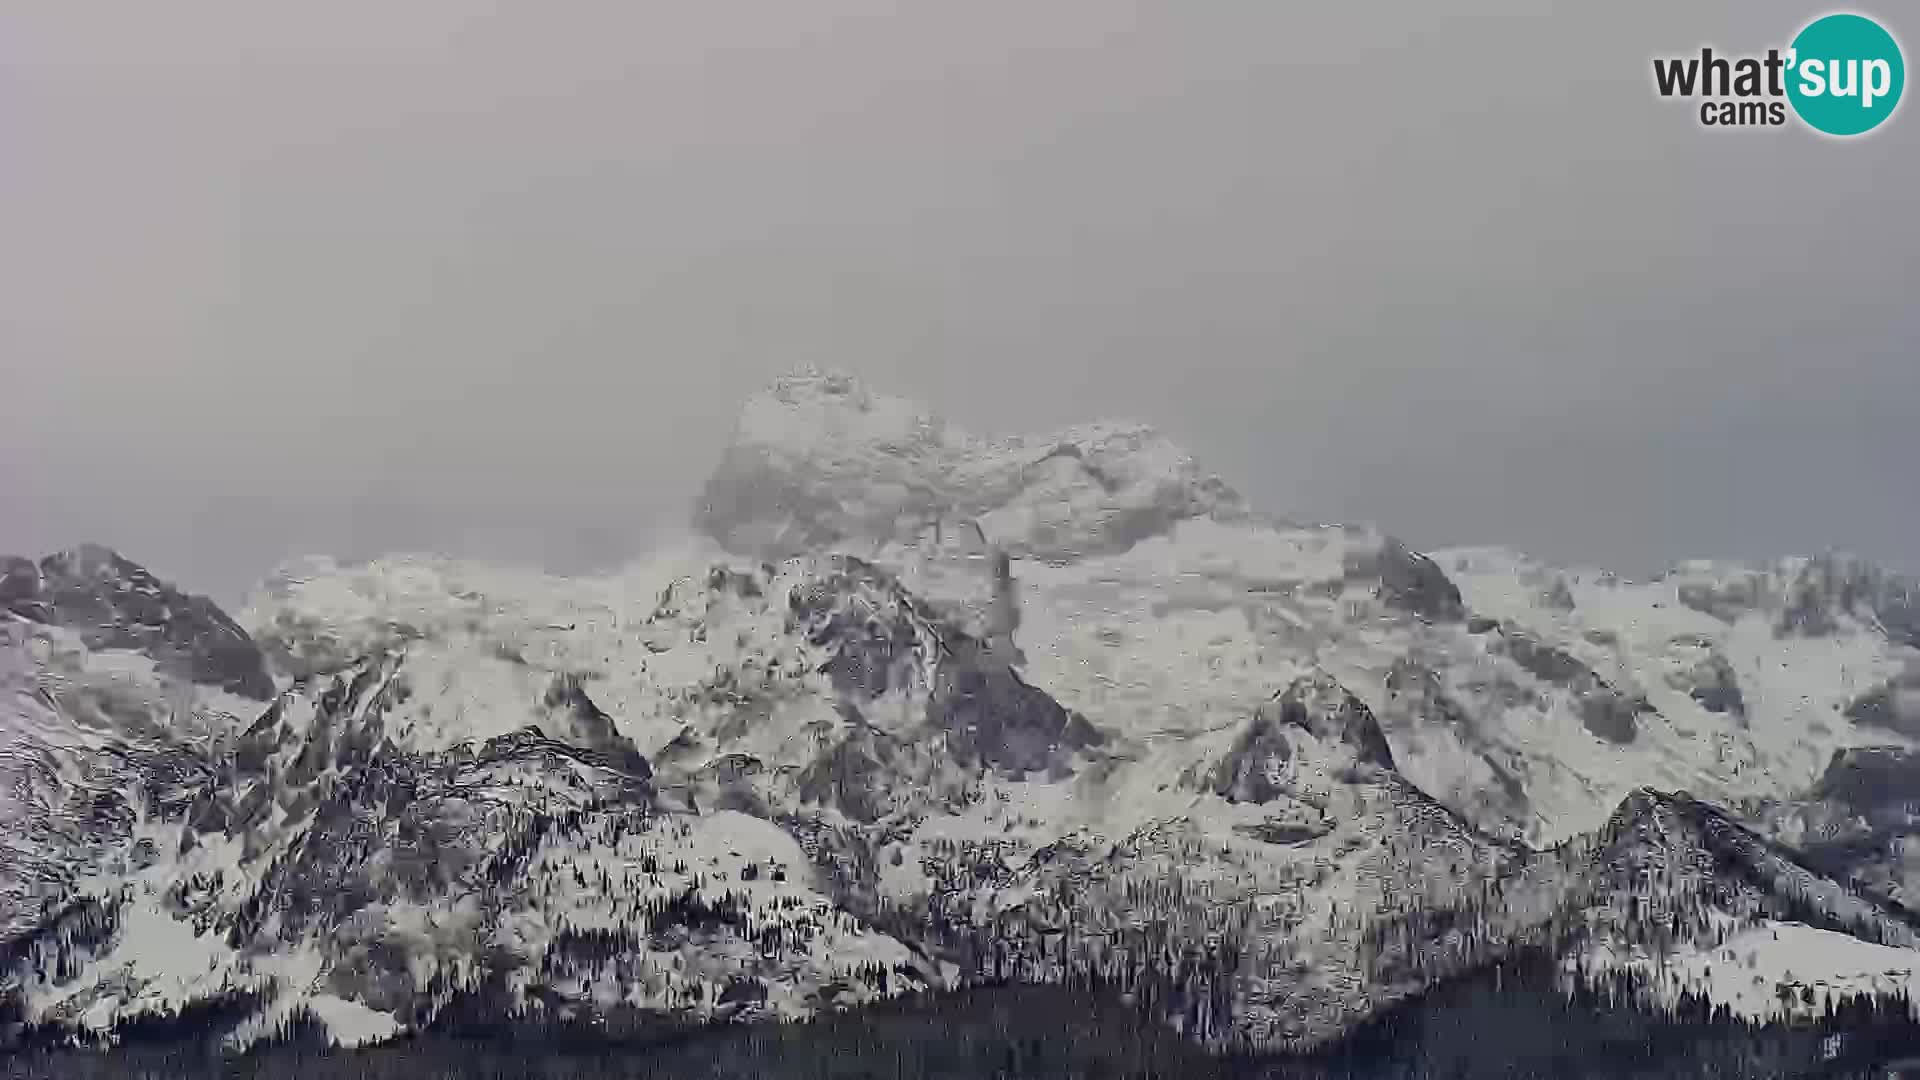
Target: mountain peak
1019, 708
115, 603
1805, 596
818, 460
92, 559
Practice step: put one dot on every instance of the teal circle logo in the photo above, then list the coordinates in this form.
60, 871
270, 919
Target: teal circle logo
1845, 74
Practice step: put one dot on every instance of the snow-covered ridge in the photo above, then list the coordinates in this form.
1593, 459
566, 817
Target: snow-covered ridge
115, 603
1528, 697
1772, 970
919, 706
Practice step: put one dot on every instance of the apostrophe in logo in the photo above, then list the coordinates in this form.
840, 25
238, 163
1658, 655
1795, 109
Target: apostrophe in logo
1842, 75
1846, 74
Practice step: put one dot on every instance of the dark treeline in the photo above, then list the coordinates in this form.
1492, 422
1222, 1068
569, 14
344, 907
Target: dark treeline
1507, 1021
1522, 1018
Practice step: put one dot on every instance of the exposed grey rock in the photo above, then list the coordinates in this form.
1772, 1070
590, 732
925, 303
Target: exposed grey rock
1286, 831
1807, 613
1319, 704
1257, 767
1826, 588
1610, 716
1717, 688
1417, 700
1558, 595
115, 603
577, 721
1875, 708
1898, 608
1726, 600
852, 777
1544, 661
20, 589
1893, 706
1414, 583
880, 634
1254, 770
992, 715
1865, 779
1604, 710
1691, 850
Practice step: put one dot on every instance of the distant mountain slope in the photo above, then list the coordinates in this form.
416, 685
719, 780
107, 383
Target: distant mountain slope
116, 604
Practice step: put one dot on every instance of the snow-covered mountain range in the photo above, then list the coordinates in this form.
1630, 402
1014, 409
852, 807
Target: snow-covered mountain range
915, 707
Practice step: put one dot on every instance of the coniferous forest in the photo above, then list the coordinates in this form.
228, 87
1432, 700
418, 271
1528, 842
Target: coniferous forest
1512, 1020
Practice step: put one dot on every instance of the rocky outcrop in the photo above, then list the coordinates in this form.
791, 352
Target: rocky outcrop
883, 639
1318, 704
1411, 582
1714, 684
1825, 588
1893, 705
1604, 710
1869, 780
1725, 600
574, 718
1670, 852
1335, 731
1808, 597
114, 603
1255, 769
1861, 818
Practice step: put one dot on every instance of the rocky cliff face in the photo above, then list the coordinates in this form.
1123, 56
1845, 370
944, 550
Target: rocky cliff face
116, 604
925, 707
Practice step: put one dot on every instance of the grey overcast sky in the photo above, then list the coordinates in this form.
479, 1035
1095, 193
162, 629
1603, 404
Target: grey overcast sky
493, 279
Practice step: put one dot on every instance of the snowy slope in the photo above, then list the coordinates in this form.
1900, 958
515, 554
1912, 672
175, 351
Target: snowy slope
89, 739
1528, 717
1772, 970
1151, 598
329, 868
456, 813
